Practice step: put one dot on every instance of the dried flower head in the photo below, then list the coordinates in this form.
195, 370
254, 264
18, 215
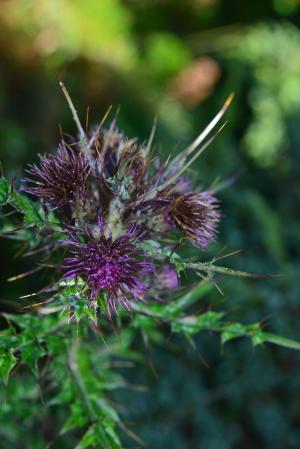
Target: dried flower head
196, 215
61, 178
115, 267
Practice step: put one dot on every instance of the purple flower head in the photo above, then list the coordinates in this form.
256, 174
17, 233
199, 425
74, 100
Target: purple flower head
112, 266
196, 215
119, 156
109, 145
167, 279
61, 178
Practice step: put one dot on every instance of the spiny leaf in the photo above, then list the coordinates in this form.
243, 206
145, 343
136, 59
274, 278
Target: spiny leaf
77, 418
100, 435
266, 337
193, 324
7, 362
88, 440
236, 330
210, 268
110, 432
32, 215
107, 411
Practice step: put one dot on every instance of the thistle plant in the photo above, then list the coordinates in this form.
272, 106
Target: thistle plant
114, 199
111, 222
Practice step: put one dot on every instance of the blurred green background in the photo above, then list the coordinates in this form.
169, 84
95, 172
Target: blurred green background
178, 60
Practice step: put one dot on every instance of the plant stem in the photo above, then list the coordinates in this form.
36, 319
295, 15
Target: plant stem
84, 144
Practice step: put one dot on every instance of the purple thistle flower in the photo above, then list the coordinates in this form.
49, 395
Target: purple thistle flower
134, 191
114, 266
167, 279
61, 178
196, 215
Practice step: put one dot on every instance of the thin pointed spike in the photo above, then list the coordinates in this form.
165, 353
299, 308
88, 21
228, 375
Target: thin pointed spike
87, 119
132, 435
113, 123
152, 193
84, 145
221, 185
23, 275
36, 304
217, 287
61, 132
233, 253
82, 135
210, 268
111, 129
196, 155
92, 140
209, 127
28, 296
151, 137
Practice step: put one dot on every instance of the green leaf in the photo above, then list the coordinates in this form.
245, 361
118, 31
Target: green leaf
143, 322
31, 354
4, 190
111, 434
55, 344
172, 309
88, 440
176, 307
193, 324
7, 362
77, 418
266, 337
258, 337
108, 411
232, 331
30, 210
100, 435
179, 264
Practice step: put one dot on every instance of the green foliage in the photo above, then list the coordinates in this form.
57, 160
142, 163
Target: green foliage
7, 362
245, 398
66, 345
166, 55
76, 29
191, 325
78, 361
271, 53
33, 214
270, 224
4, 190
80, 385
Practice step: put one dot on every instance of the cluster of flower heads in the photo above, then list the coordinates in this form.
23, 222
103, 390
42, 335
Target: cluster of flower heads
112, 195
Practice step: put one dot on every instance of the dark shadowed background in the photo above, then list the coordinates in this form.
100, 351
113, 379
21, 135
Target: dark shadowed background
178, 60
